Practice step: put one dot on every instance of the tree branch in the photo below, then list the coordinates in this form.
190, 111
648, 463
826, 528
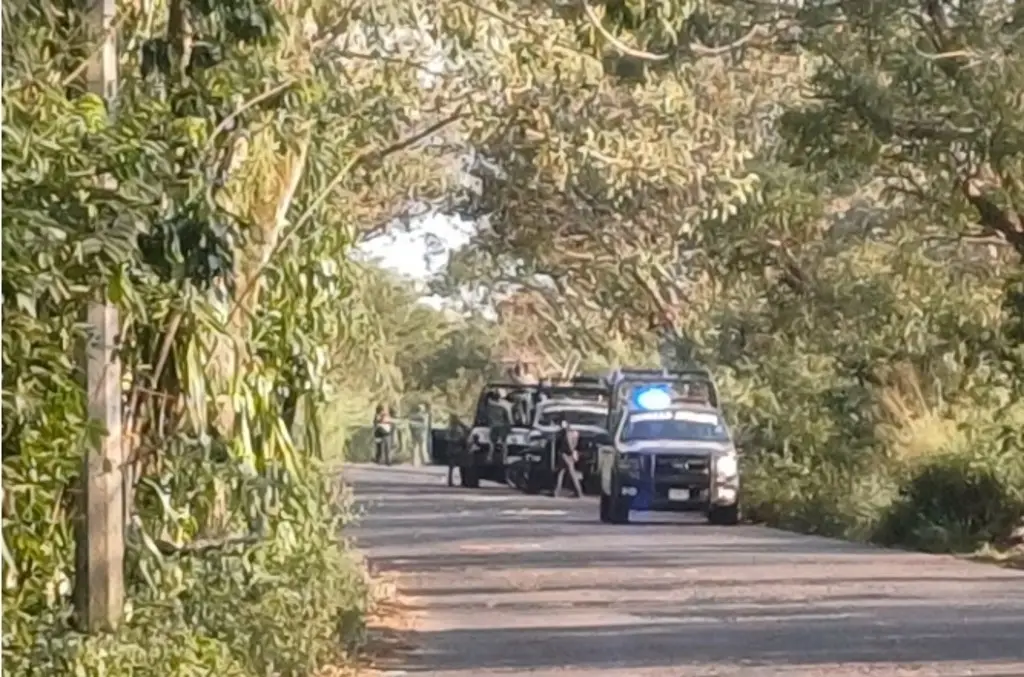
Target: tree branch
361, 158
694, 47
994, 219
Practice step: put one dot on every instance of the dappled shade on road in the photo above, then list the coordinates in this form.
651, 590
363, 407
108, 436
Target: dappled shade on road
508, 584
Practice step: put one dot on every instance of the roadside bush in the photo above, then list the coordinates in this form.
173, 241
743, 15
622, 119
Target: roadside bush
284, 608
827, 500
960, 499
886, 411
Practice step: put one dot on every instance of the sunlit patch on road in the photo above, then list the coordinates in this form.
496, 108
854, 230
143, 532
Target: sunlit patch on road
499, 547
484, 498
504, 584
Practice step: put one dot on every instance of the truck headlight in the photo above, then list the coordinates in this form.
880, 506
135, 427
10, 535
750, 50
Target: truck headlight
726, 466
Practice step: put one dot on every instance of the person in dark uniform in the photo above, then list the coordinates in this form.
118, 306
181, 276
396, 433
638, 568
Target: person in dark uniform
540, 394
522, 399
566, 455
383, 428
458, 445
499, 418
521, 402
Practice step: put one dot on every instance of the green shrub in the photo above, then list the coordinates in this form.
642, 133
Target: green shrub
957, 501
826, 500
283, 608
929, 483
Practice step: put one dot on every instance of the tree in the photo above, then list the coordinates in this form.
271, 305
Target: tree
814, 288
233, 141
920, 95
597, 184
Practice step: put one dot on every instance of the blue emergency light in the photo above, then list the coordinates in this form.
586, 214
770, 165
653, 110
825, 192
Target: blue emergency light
653, 398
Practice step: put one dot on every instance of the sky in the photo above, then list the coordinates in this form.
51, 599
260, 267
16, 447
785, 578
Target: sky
421, 250
410, 252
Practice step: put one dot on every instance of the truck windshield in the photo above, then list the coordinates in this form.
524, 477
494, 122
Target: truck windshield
644, 429
573, 416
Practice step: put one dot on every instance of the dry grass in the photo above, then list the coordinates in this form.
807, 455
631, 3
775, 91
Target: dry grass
1012, 558
915, 428
390, 622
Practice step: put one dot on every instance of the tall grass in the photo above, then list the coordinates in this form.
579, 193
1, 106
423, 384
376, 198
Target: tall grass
939, 476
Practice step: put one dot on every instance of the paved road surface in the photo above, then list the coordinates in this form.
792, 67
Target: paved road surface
506, 584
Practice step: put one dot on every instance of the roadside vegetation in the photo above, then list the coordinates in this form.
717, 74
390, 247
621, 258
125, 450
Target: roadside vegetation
252, 146
823, 204
826, 209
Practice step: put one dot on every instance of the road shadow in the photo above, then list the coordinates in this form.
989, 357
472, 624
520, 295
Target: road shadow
411, 525
665, 595
774, 641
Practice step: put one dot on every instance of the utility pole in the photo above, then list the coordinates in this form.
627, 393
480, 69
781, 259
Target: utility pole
100, 532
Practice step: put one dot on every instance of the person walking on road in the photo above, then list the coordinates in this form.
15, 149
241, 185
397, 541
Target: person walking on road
566, 455
383, 433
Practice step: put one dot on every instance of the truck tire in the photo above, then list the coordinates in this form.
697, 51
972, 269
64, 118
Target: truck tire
534, 482
591, 484
515, 476
468, 477
724, 515
613, 511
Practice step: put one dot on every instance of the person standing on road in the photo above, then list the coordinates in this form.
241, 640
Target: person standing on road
566, 455
383, 431
419, 431
457, 445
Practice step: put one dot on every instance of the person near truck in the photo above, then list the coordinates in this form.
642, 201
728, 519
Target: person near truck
499, 418
522, 400
419, 434
566, 454
457, 445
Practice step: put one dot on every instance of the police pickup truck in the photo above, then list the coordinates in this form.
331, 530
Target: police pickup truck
670, 451
490, 462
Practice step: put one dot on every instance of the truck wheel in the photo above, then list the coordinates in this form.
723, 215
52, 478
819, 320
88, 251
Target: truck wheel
468, 477
514, 477
534, 483
724, 515
614, 511
604, 510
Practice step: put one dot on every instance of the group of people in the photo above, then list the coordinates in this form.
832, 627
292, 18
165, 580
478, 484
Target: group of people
385, 432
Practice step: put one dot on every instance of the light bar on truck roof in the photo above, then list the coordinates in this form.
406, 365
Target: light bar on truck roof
654, 398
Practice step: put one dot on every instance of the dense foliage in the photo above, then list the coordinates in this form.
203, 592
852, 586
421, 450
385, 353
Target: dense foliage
434, 359
821, 201
239, 129
824, 206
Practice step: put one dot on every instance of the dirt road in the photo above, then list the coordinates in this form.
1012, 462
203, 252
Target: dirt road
505, 584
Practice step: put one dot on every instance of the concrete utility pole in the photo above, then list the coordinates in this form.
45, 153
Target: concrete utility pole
100, 533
